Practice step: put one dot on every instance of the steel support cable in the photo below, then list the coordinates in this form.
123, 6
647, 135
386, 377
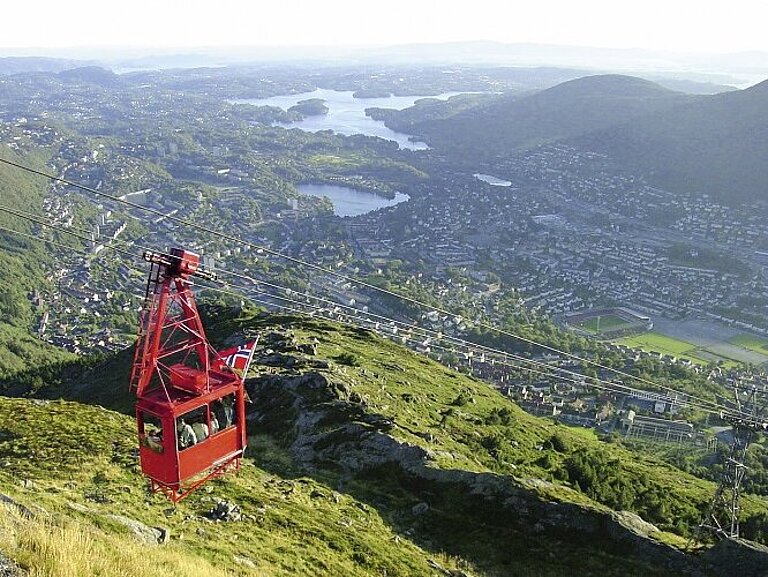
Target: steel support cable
611, 386
552, 371
595, 383
59, 228
98, 263
548, 370
29, 215
702, 404
710, 406
324, 270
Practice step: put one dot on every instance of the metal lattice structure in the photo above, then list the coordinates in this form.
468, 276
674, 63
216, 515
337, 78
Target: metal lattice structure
190, 413
721, 519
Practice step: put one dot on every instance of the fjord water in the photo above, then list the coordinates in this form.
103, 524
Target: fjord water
348, 201
346, 114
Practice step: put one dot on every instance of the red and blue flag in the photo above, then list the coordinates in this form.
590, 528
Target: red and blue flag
238, 358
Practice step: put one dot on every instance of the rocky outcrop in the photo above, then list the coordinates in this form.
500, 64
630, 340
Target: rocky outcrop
141, 531
22, 509
329, 426
9, 569
737, 557
225, 511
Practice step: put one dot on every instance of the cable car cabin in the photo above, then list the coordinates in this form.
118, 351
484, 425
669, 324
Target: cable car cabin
192, 437
190, 407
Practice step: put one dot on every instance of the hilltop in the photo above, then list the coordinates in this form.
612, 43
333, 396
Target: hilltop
712, 144
507, 123
21, 64
364, 459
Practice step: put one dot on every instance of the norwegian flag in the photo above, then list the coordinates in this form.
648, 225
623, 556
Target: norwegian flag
238, 358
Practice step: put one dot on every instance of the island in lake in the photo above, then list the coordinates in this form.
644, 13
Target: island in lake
310, 107
371, 93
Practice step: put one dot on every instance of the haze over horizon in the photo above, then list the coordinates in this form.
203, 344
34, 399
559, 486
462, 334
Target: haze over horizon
50, 28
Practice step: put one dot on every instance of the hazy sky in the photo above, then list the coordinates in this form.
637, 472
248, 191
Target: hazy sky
680, 25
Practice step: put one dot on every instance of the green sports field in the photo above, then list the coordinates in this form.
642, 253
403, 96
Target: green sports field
702, 355
751, 343
665, 345
603, 323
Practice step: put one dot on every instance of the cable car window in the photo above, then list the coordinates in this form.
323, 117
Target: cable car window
151, 432
192, 427
223, 411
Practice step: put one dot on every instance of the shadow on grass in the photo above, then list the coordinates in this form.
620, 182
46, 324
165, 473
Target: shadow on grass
447, 518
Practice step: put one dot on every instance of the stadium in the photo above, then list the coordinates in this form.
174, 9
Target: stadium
607, 323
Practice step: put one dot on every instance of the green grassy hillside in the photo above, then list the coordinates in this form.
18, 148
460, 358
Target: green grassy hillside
73, 467
364, 459
21, 271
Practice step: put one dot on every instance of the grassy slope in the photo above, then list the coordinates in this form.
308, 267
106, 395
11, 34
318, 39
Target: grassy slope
300, 525
20, 272
81, 454
415, 393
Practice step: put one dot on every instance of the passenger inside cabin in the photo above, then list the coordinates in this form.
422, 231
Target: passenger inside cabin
155, 441
223, 411
151, 432
229, 410
187, 436
201, 431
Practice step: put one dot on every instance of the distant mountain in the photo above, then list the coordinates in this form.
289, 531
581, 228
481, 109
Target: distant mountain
691, 86
17, 65
165, 61
715, 145
91, 75
570, 109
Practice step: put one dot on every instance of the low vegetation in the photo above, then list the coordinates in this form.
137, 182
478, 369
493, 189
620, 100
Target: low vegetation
73, 466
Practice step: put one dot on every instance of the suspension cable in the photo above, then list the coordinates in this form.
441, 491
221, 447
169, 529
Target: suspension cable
319, 268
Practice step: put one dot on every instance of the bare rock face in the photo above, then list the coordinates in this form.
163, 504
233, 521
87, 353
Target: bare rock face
327, 425
737, 557
142, 532
225, 511
22, 509
635, 523
9, 569
419, 509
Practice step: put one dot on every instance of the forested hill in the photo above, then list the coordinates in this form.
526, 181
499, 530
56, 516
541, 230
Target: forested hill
708, 144
494, 129
715, 145
21, 272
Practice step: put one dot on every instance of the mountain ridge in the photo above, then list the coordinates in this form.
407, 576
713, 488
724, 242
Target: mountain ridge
711, 144
571, 108
441, 458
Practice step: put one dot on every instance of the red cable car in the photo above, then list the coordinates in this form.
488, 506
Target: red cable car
190, 406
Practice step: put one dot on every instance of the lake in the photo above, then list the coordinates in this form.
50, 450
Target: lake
348, 201
492, 180
346, 114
